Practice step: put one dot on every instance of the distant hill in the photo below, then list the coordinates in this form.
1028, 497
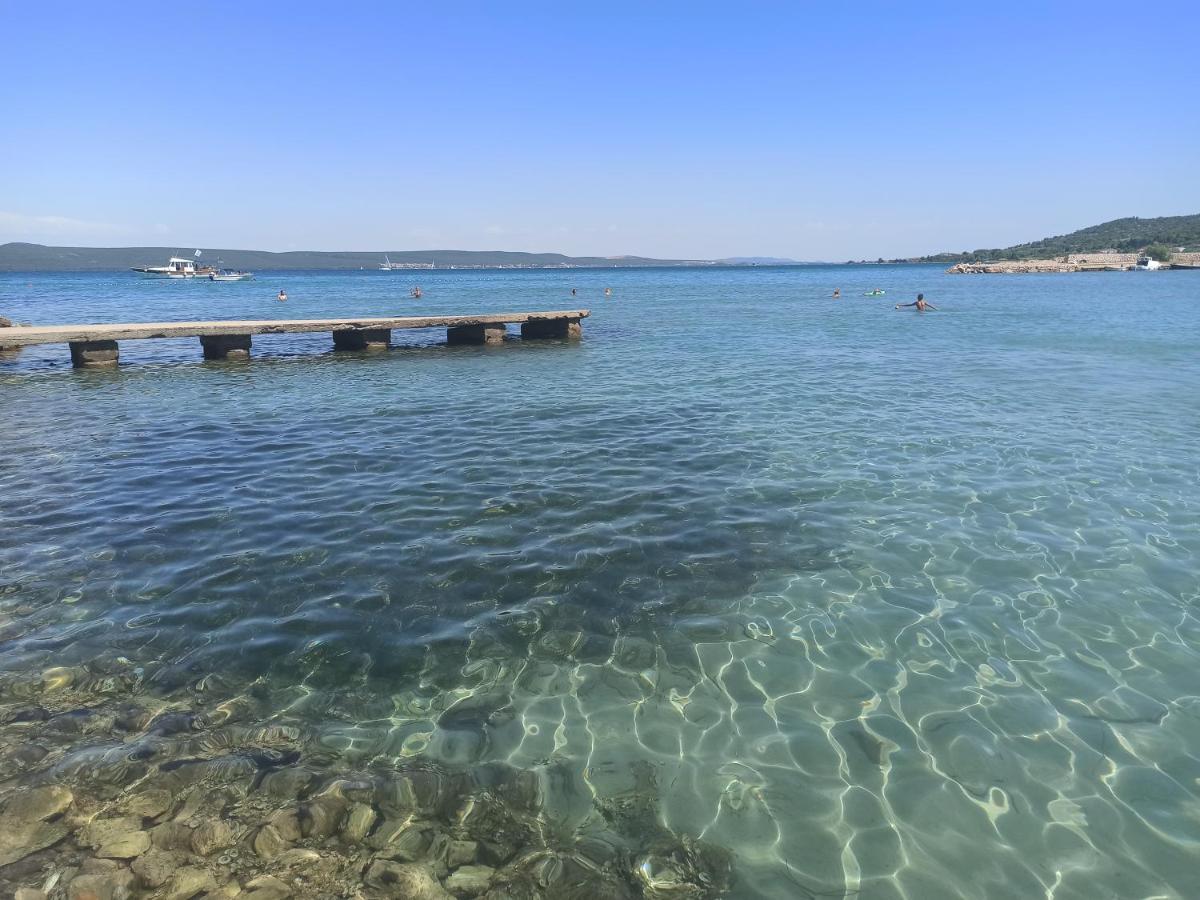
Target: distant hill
40, 258
1127, 235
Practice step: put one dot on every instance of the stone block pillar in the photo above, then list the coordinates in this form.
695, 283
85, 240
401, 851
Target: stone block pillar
362, 339
563, 329
94, 354
476, 334
4, 348
225, 346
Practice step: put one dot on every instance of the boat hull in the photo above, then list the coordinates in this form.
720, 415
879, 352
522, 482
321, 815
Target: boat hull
156, 273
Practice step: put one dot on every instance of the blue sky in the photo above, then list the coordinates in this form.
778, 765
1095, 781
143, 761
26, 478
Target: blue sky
813, 131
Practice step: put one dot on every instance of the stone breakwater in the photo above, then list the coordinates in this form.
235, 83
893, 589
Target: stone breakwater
108, 791
1075, 262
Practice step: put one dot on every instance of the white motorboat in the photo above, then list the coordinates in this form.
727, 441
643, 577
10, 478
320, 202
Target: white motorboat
220, 273
176, 267
1146, 264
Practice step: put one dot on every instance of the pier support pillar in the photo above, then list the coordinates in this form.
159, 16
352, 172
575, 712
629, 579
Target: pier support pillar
225, 346
564, 329
94, 354
476, 334
5, 348
362, 339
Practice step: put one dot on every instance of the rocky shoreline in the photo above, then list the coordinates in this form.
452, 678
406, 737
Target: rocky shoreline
110, 792
1075, 262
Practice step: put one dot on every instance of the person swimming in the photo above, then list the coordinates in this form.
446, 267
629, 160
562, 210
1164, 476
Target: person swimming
281, 296
920, 303
837, 292
416, 293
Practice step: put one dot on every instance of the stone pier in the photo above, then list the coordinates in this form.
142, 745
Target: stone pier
225, 346
362, 339
96, 344
94, 354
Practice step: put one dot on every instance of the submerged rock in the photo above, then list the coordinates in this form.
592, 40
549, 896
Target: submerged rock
171, 723
286, 784
149, 804
267, 887
234, 773
496, 828
358, 823
120, 838
211, 836
23, 756
189, 881
298, 858
400, 839
269, 843
29, 714
95, 864
683, 870
287, 822
412, 882
321, 818
470, 881
171, 836
155, 867
31, 822
117, 884
461, 853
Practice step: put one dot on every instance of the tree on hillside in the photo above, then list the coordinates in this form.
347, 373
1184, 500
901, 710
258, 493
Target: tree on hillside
1160, 252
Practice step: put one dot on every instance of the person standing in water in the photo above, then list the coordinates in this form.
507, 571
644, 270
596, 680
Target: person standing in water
837, 292
920, 303
573, 292
608, 292
281, 296
416, 293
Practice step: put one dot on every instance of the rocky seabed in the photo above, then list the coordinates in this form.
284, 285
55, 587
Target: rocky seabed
107, 792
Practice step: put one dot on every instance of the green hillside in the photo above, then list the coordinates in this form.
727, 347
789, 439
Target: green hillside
18, 257
1127, 235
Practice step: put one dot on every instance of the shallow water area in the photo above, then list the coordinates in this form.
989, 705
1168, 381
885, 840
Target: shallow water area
751, 593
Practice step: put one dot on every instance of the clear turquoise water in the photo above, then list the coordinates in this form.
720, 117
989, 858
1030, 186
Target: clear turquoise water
886, 604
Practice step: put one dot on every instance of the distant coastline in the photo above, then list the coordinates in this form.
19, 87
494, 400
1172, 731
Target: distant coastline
25, 257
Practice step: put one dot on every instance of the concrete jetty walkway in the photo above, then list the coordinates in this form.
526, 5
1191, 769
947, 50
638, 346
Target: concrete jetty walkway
97, 345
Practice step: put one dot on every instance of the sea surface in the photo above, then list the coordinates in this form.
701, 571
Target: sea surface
750, 593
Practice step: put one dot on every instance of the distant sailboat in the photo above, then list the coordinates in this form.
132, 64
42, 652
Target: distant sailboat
386, 265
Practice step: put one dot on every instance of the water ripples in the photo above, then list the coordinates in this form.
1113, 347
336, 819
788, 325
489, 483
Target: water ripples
875, 611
